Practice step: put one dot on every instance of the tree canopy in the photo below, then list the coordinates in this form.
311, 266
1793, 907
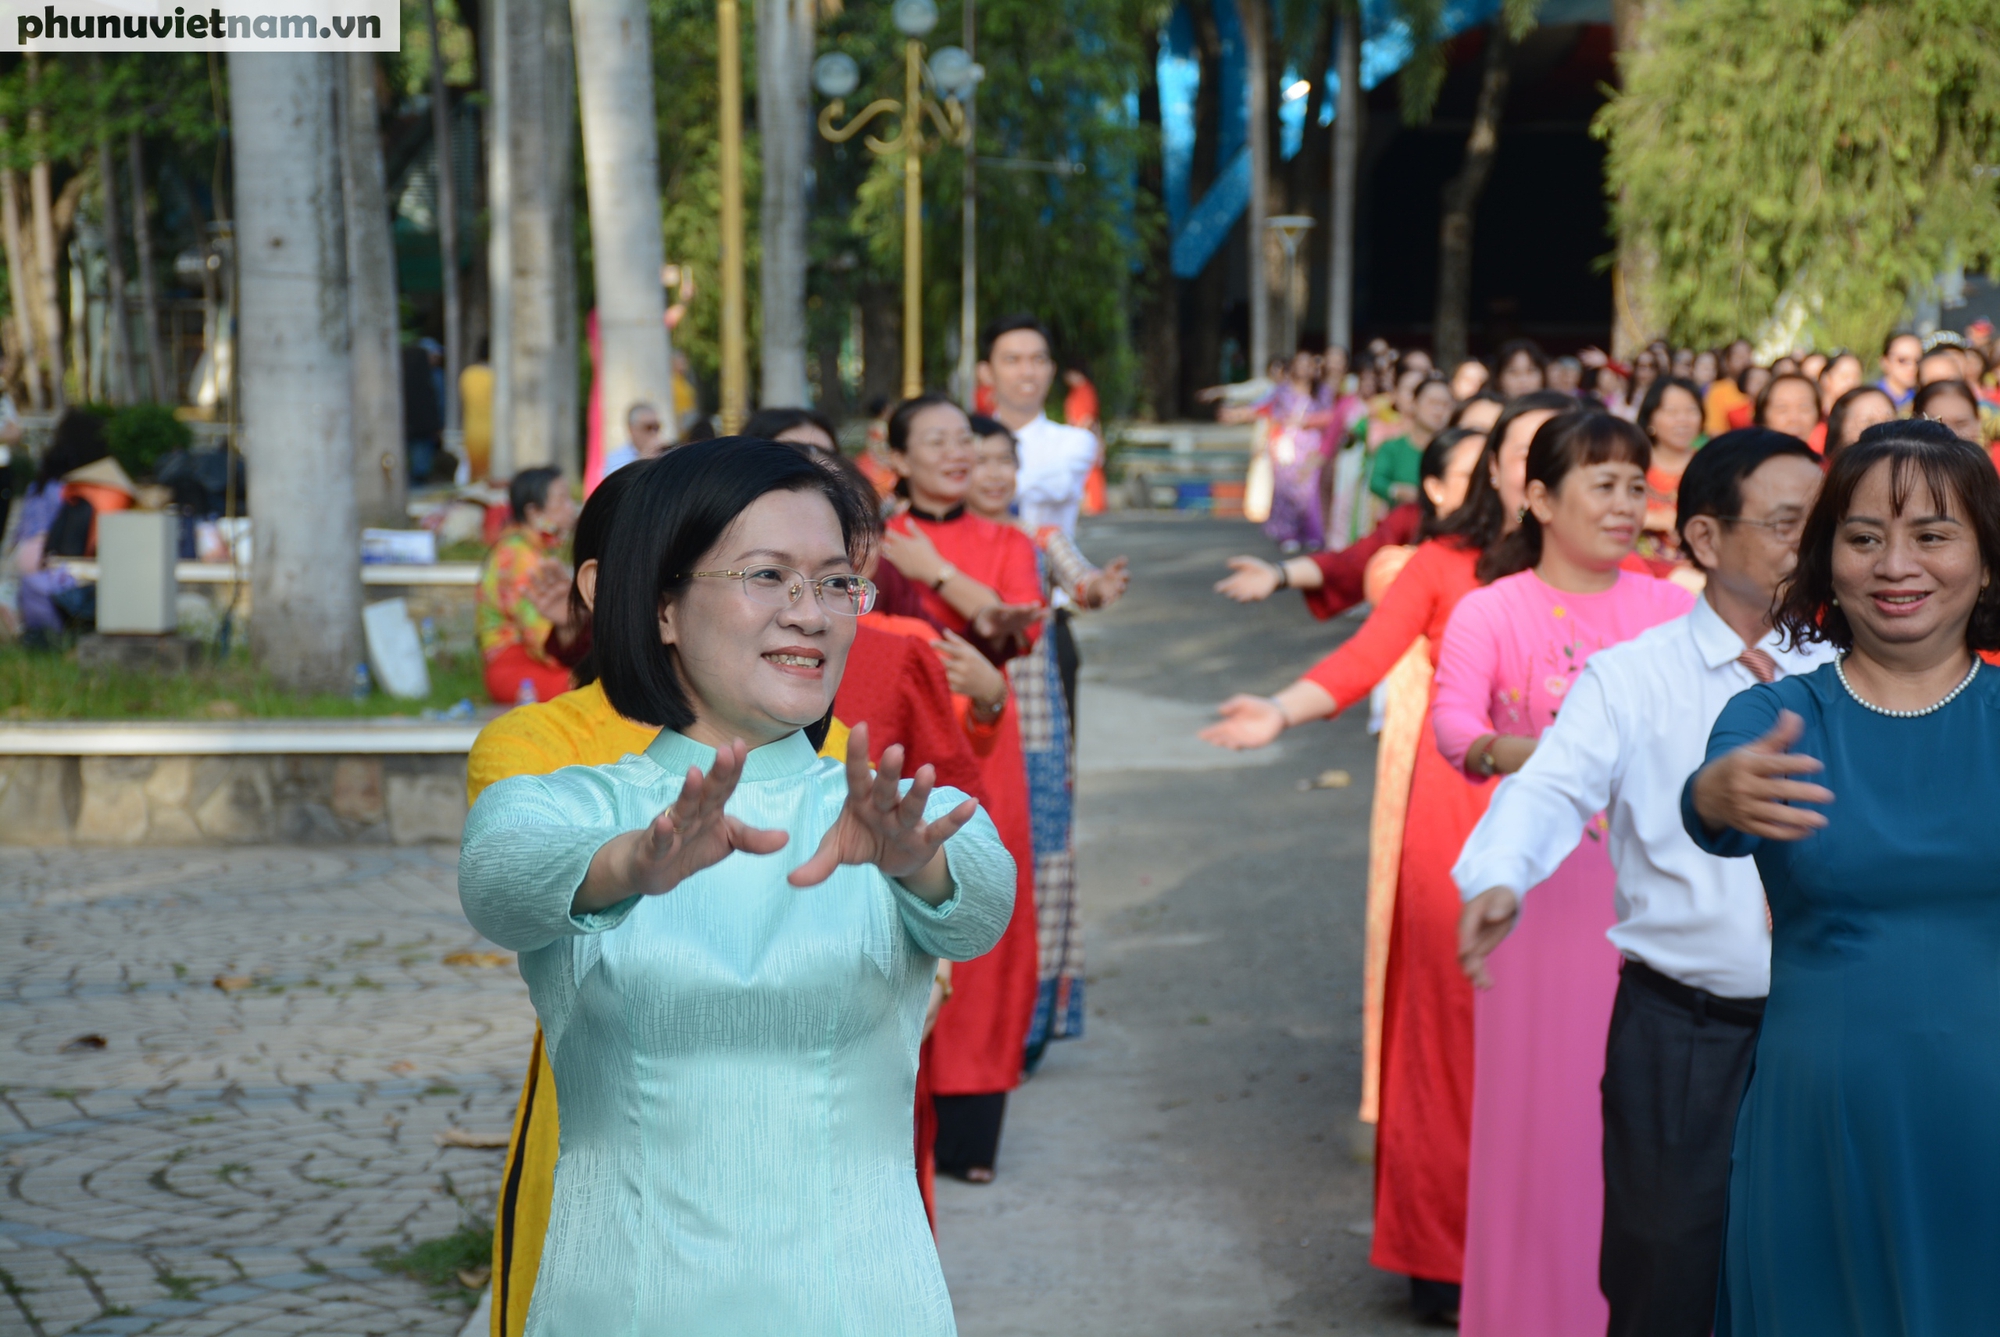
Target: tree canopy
1832, 153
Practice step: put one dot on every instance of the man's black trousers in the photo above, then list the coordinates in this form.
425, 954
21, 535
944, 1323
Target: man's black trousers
1675, 1064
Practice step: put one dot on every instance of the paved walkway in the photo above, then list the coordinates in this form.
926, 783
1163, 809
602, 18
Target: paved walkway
227, 1157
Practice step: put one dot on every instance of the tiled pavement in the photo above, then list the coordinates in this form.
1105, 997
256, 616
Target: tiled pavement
228, 1157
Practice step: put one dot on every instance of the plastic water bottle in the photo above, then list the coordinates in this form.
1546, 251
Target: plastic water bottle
364, 683
526, 695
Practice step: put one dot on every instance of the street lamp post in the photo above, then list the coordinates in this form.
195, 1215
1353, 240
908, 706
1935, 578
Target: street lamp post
953, 74
1291, 230
735, 346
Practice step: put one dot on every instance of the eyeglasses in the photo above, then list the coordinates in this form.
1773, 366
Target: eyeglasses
1787, 529
781, 587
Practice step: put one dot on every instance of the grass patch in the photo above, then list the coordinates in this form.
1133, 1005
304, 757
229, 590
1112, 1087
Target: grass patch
179, 1287
50, 686
438, 1263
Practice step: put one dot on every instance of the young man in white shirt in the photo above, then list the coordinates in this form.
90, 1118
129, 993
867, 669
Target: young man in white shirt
1691, 927
1020, 365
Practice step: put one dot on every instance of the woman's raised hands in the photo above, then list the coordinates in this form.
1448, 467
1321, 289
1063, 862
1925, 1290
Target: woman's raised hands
881, 826
689, 836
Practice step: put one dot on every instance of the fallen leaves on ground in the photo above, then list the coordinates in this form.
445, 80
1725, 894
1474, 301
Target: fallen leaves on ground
232, 983
467, 1137
478, 959
83, 1043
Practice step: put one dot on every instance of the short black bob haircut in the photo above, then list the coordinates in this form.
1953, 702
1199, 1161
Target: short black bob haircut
1562, 445
1918, 453
674, 510
530, 487
593, 529
1713, 482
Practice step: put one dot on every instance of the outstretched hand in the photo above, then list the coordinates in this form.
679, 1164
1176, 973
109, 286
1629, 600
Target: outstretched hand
1247, 722
1108, 586
881, 826
689, 836
999, 623
1482, 926
1250, 580
1750, 789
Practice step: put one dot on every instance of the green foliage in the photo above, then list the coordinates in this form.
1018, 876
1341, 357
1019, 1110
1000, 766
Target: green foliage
1059, 83
1421, 79
140, 435
1833, 152
686, 106
45, 686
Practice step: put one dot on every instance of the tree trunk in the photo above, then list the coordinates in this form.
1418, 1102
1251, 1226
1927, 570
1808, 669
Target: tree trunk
117, 337
1450, 326
785, 123
881, 344
160, 388
1346, 158
1159, 339
21, 284
1635, 318
532, 260
564, 411
1256, 22
380, 491
48, 304
447, 222
297, 376
614, 76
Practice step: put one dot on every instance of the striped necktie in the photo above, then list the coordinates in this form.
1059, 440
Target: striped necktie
1762, 667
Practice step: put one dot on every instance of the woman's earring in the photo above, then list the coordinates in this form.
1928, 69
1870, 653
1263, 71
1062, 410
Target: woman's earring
1521, 516
1836, 601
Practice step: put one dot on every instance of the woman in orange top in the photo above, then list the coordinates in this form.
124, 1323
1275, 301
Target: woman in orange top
1670, 416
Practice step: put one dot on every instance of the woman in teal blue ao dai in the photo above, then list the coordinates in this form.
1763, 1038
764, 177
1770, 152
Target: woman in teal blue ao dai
1864, 1189
730, 941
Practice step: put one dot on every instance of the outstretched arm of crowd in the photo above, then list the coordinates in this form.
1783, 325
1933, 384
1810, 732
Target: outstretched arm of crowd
1343, 677
1535, 821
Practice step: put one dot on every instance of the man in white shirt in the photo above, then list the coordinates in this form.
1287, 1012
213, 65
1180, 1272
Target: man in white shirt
1691, 927
1020, 365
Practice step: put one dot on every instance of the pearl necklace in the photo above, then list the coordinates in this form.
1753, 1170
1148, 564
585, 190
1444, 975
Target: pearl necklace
1840, 671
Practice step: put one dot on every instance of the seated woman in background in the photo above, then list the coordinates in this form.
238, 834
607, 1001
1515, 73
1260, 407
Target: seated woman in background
525, 632
706, 1023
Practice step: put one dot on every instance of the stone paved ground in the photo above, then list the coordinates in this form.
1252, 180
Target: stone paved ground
224, 1163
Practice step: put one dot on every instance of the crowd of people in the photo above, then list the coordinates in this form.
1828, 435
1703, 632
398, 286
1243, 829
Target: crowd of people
762, 651
1661, 1036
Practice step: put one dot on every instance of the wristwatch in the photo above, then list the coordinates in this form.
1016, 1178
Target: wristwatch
945, 572
1483, 760
1284, 575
